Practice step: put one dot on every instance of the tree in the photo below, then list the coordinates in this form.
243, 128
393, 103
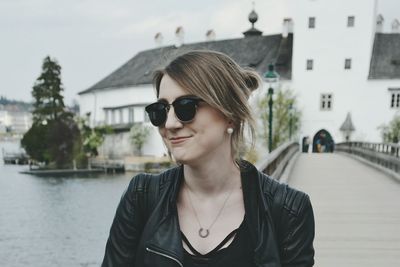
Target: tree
92, 138
52, 137
48, 100
139, 134
391, 132
33, 143
285, 116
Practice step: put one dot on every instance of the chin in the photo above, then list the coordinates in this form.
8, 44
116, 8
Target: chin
182, 159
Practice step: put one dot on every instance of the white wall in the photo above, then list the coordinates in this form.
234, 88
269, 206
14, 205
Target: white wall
19, 121
376, 107
329, 44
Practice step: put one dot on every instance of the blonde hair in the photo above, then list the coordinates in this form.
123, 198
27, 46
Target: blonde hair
220, 82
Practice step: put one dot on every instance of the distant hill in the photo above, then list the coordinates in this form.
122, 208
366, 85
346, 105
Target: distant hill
14, 105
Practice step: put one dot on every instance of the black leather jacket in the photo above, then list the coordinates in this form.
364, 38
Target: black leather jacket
145, 230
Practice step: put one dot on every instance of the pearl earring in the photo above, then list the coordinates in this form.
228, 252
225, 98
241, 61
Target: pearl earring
229, 130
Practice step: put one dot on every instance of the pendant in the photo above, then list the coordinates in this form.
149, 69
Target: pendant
203, 233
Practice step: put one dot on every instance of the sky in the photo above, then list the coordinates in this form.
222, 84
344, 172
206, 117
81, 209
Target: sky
92, 38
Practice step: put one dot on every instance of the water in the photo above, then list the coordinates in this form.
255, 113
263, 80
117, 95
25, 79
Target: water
55, 221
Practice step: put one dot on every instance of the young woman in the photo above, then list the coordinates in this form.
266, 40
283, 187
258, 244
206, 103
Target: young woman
214, 209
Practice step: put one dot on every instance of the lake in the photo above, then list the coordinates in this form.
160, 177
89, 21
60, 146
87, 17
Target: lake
55, 221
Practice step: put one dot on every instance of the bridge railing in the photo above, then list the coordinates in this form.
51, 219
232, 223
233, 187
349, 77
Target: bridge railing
275, 163
383, 154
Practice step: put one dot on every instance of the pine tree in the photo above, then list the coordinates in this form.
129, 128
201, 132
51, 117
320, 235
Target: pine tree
47, 93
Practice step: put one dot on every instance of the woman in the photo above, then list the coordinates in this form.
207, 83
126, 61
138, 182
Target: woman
214, 209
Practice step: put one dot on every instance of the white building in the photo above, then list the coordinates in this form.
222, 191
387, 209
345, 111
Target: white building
340, 57
17, 122
345, 61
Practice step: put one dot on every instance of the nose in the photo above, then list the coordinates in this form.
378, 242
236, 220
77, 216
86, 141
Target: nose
172, 122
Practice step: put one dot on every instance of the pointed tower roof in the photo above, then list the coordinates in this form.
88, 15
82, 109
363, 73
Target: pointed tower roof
347, 125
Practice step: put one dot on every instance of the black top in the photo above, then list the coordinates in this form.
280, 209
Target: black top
238, 253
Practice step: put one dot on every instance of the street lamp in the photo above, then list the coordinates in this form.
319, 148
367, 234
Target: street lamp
290, 121
271, 77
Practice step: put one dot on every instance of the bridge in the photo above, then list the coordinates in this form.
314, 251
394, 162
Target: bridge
356, 206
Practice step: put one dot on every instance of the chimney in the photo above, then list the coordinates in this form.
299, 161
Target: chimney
395, 26
158, 38
179, 35
379, 23
287, 27
210, 35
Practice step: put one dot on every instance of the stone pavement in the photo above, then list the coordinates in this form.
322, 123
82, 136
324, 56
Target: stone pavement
356, 209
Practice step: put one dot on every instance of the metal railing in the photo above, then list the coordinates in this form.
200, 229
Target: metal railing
275, 163
383, 154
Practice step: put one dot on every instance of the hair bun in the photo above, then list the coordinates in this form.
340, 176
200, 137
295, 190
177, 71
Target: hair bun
252, 79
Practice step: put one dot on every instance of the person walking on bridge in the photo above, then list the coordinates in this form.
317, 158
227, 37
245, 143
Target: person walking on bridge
214, 208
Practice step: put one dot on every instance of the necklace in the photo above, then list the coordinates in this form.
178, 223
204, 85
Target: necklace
205, 232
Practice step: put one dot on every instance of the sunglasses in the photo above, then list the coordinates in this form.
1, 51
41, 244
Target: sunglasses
184, 107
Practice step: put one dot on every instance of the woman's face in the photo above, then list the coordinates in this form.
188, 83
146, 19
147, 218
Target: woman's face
202, 139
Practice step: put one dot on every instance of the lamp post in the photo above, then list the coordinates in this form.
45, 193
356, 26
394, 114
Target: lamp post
270, 103
271, 77
290, 121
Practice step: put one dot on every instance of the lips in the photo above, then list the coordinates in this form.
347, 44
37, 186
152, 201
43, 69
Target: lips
178, 140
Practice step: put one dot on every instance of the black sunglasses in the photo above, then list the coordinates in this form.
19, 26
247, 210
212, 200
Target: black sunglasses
185, 108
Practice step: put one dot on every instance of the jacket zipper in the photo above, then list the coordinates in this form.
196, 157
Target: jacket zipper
165, 255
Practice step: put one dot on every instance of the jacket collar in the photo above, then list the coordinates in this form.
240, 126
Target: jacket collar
165, 233
260, 223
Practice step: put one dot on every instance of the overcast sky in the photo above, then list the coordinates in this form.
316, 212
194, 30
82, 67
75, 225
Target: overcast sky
91, 38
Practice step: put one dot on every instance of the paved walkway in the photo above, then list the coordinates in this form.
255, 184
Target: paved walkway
356, 208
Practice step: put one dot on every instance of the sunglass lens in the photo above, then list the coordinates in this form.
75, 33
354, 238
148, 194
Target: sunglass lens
157, 113
185, 109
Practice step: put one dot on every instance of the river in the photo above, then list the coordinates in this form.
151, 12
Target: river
55, 221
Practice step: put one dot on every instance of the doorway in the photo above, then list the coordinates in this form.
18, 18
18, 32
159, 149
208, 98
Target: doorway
323, 142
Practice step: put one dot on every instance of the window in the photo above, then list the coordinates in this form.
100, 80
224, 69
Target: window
121, 116
326, 101
107, 116
350, 21
311, 22
131, 118
310, 64
113, 116
347, 63
394, 97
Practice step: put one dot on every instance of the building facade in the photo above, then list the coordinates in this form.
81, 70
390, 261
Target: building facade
15, 122
345, 62
341, 60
